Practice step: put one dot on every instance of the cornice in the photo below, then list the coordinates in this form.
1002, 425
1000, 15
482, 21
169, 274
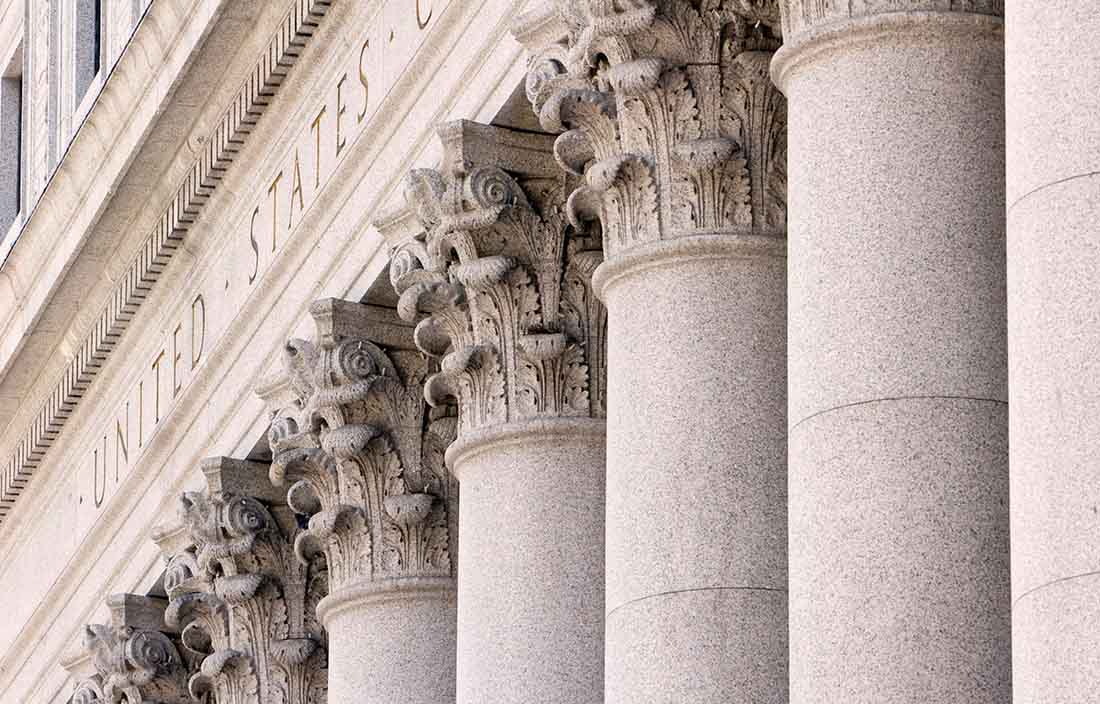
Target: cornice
218, 152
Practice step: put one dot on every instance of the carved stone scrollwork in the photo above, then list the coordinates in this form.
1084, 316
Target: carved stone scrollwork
135, 660
242, 601
667, 110
504, 281
364, 453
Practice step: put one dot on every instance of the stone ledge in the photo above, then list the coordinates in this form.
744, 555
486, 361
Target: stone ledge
220, 148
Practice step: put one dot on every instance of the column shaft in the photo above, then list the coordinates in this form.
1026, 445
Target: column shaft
530, 595
898, 422
667, 110
696, 521
365, 455
391, 642
499, 287
1053, 98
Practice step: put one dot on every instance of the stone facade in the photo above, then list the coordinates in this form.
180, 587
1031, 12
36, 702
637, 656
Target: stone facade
585, 351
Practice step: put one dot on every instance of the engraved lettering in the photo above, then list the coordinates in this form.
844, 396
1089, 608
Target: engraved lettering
363, 82
121, 440
255, 246
316, 127
156, 386
273, 192
198, 304
176, 357
141, 412
422, 23
296, 187
341, 142
99, 488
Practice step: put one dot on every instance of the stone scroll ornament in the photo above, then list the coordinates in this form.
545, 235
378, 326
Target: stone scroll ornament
500, 282
667, 111
133, 666
363, 456
245, 605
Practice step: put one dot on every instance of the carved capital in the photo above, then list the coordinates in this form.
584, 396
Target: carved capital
244, 604
801, 15
499, 282
135, 658
362, 452
667, 109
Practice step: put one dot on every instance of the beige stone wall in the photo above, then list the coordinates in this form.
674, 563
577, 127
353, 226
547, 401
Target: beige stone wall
61, 551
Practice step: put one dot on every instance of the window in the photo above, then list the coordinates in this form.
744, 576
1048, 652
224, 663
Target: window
11, 141
87, 45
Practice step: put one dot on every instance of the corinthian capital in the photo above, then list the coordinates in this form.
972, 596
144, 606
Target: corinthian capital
500, 283
666, 108
135, 658
244, 604
363, 451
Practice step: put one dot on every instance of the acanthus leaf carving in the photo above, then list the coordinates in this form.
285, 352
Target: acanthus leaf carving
135, 662
499, 246
245, 605
690, 137
357, 444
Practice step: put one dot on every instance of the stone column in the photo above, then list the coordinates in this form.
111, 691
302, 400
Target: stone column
243, 603
668, 112
365, 456
505, 286
899, 552
135, 658
1053, 99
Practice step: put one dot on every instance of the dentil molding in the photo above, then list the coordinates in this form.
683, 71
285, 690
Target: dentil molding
219, 150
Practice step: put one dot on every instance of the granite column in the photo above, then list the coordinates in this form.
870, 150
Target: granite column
899, 561
500, 285
667, 111
240, 599
364, 454
1053, 99
136, 657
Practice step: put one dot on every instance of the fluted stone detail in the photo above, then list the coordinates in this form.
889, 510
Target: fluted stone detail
504, 281
135, 657
363, 455
801, 15
242, 600
666, 108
